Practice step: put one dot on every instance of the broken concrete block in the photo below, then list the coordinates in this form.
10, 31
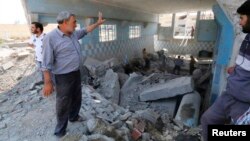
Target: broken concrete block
133, 79
135, 104
151, 78
189, 108
122, 78
196, 131
176, 128
92, 124
172, 88
105, 117
164, 106
145, 137
129, 124
125, 116
38, 87
99, 137
3, 126
169, 138
23, 54
127, 90
97, 67
8, 65
117, 124
84, 138
148, 115
111, 88
93, 65
32, 86
178, 123
124, 131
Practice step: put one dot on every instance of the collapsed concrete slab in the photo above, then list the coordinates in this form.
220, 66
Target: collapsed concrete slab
178, 86
151, 78
164, 106
189, 108
111, 88
122, 78
94, 66
133, 79
127, 91
97, 67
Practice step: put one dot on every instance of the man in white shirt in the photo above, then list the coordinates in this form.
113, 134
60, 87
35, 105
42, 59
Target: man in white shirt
36, 41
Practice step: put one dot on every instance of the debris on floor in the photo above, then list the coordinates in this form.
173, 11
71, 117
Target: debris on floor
151, 105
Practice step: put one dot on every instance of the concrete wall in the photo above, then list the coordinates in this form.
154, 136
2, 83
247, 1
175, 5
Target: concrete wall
193, 46
205, 35
122, 46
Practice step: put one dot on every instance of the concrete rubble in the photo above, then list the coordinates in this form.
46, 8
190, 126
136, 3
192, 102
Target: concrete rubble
111, 90
172, 88
116, 106
14, 67
7, 66
188, 111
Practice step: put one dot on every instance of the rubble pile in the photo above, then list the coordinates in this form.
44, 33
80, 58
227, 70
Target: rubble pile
29, 116
139, 106
15, 63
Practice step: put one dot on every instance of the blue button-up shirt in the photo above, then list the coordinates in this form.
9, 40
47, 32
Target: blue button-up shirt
62, 53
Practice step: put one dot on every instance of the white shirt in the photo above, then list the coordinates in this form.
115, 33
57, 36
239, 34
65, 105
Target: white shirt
38, 44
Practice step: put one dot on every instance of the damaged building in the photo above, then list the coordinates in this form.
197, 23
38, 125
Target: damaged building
122, 98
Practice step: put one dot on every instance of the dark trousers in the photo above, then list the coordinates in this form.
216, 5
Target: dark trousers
147, 63
68, 99
191, 69
177, 69
224, 109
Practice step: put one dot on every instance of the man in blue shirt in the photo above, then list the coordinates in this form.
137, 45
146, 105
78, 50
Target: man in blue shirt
62, 56
236, 99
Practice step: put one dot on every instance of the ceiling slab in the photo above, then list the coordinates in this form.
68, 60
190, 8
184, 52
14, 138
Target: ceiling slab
161, 6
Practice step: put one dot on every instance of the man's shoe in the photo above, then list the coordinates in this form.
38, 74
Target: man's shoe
60, 135
78, 119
